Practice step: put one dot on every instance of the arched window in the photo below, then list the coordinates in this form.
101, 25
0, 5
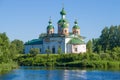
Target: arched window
48, 47
73, 32
59, 46
47, 31
51, 32
53, 49
76, 49
77, 32
65, 31
40, 50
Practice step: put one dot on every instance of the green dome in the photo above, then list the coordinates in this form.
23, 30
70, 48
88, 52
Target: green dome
50, 26
64, 25
63, 22
63, 12
76, 41
50, 22
76, 25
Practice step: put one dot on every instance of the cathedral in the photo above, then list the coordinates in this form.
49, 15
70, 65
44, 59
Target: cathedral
67, 42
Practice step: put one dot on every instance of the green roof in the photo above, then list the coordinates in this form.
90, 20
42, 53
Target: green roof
50, 27
76, 41
64, 25
34, 42
63, 22
50, 22
76, 27
63, 12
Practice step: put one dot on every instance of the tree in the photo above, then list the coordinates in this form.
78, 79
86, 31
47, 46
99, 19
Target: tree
48, 51
4, 48
59, 50
89, 46
116, 49
110, 38
19, 45
104, 39
34, 51
13, 51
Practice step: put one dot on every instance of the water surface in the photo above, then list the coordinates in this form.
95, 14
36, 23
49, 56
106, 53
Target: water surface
40, 73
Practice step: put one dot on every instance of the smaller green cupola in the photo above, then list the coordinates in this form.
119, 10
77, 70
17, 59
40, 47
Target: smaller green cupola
63, 12
50, 26
76, 25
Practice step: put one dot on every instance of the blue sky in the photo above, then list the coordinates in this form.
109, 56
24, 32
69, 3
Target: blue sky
26, 19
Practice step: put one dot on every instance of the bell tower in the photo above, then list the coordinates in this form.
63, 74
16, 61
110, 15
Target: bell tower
76, 28
50, 28
63, 24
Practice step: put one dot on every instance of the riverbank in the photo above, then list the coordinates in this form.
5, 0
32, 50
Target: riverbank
6, 67
69, 60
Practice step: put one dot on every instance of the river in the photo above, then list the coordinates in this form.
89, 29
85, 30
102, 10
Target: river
40, 73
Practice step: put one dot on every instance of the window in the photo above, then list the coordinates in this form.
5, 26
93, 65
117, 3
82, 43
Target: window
51, 32
40, 50
48, 47
65, 31
77, 32
59, 46
76, 49
73, 32
53, 50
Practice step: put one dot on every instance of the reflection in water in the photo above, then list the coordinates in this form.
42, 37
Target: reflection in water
77, 74
38, 73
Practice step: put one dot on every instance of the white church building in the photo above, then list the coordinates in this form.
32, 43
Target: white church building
67, 42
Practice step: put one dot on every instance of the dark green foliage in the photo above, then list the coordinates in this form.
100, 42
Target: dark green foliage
7, 54
104, 39
48, 51
92, 60
59, 51
34, 51
4, 48
13, 51
109, 39
89, 46
19, 46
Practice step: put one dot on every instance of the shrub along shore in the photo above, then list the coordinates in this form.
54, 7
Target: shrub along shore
6, 67
86, 60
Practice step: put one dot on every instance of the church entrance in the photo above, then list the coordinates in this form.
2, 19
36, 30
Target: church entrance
53, 50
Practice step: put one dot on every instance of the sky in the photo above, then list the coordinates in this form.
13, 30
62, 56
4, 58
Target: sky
26, 19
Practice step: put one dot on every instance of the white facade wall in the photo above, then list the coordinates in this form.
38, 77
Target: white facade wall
57, 42
29, 47
54, 42
66, 45
69, 48
80, 48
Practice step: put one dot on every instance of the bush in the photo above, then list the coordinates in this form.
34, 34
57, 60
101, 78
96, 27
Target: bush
68, 60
